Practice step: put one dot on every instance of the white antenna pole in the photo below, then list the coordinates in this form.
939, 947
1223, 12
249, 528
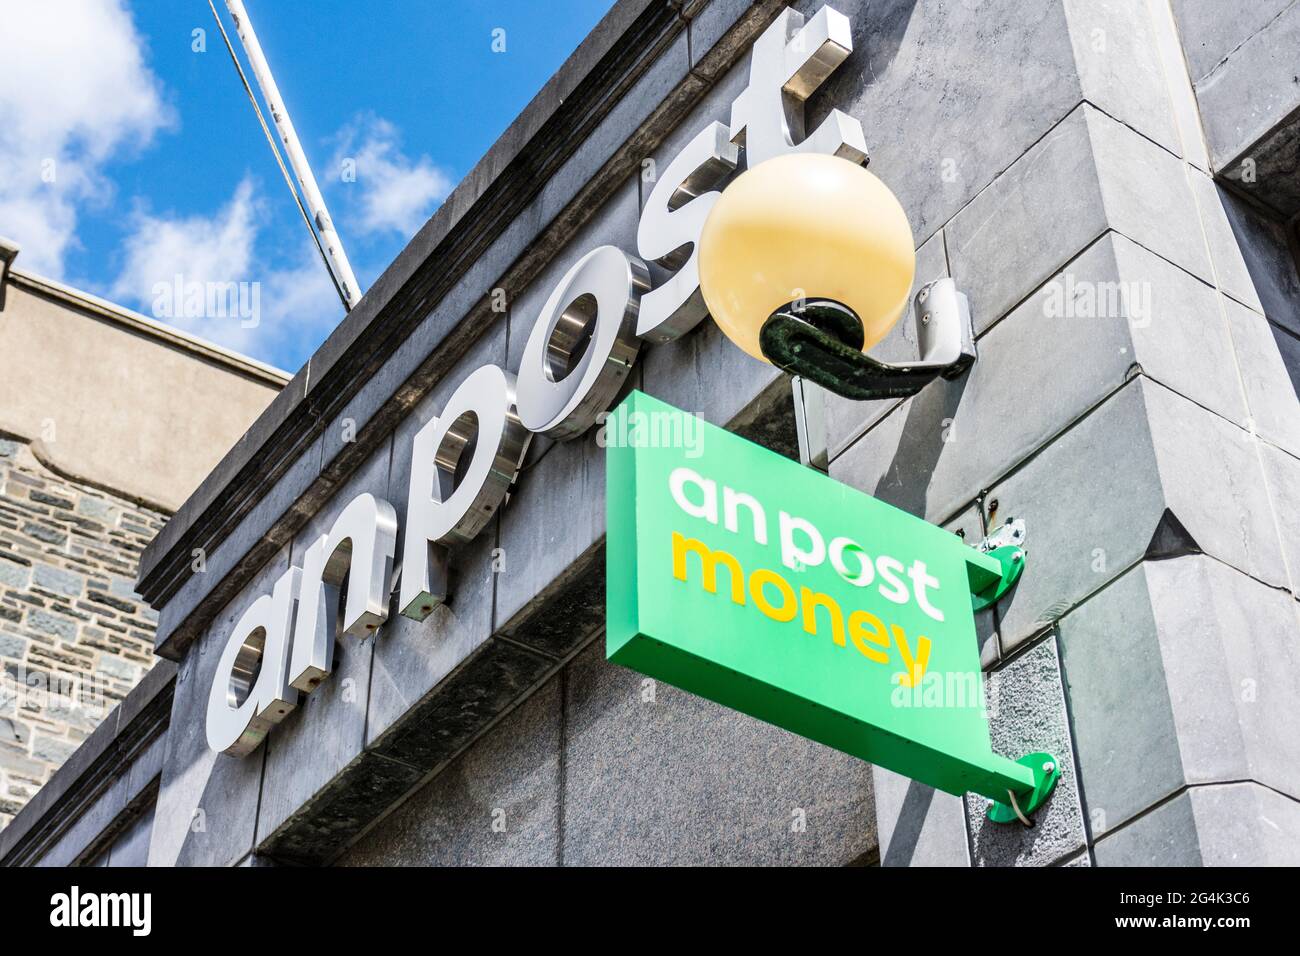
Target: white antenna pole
338, 260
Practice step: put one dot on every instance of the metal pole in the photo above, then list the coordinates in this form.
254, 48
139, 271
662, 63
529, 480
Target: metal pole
810, 424
338, 259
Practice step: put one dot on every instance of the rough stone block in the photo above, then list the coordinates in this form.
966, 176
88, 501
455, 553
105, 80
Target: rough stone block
1027, 714
50, 623
14, 575
59, 580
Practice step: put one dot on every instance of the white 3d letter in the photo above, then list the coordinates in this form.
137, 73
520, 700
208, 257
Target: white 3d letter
359, 547
793, 59
246, 700
669, 232
480, 415
583, 344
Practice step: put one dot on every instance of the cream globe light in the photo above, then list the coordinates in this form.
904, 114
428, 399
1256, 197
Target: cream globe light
815, 239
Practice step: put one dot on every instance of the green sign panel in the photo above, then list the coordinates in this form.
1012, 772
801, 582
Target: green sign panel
746, 578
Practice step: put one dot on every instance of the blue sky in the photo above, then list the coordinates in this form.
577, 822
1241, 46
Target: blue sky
128, 158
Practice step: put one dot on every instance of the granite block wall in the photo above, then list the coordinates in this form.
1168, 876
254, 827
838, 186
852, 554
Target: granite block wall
74, 636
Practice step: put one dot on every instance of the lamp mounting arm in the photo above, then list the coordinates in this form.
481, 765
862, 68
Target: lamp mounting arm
814, 340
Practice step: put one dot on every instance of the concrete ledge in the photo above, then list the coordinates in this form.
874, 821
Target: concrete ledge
143, 325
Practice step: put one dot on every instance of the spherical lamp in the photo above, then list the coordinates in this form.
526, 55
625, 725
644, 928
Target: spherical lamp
806, 243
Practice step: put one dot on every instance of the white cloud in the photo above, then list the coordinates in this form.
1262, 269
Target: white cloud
74, 92
202, 274
397, 194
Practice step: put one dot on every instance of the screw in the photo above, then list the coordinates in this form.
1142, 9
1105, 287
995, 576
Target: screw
1049, 767
925, 293
925, 319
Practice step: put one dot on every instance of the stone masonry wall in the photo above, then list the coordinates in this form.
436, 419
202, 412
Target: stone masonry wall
74, 636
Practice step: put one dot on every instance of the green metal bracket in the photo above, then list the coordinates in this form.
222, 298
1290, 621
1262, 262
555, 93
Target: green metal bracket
1047, 771
1012, 559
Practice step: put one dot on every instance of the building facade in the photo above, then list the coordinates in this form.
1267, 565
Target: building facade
1112, 185
95, 453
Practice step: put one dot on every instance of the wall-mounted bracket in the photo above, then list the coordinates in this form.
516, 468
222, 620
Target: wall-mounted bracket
1005, 546
1021, 806
821, 340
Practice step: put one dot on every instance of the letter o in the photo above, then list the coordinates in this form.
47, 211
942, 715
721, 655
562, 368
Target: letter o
789, 604
865, 574
583, 344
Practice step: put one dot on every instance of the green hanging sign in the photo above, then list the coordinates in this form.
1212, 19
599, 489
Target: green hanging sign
744, 577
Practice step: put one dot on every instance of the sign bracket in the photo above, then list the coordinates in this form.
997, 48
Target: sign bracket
1047, 771
1005, 547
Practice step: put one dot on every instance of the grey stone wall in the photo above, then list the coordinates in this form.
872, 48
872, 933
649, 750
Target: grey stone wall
605, 767
1135, 402
74, 636
1241, 58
